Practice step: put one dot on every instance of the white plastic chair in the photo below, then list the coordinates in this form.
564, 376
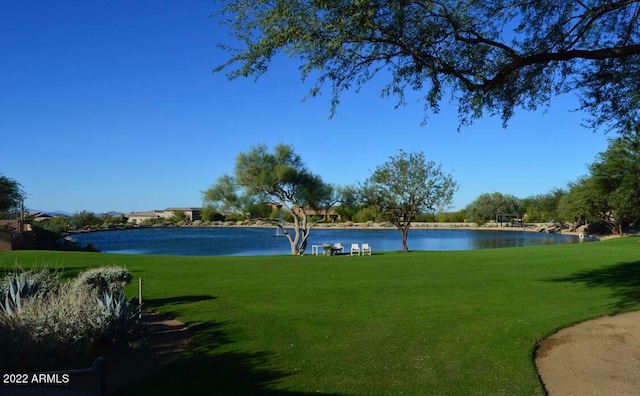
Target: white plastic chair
337, 247
366, 249
355, 248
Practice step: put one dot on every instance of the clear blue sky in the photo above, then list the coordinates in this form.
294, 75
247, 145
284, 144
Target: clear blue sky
113, 106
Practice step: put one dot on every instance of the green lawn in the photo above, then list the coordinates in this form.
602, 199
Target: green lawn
442, 323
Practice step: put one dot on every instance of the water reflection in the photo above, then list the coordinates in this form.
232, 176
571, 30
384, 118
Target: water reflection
231, 241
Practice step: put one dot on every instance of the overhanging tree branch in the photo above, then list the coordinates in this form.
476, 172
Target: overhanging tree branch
599, 54
493, 57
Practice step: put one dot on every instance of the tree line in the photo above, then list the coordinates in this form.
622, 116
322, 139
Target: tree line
275, 186
607, 198
486, 57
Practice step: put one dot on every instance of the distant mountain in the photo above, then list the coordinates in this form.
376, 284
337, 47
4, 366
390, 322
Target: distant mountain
113, 213
64, 213
51, 212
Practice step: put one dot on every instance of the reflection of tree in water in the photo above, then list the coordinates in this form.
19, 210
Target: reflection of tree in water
495, 240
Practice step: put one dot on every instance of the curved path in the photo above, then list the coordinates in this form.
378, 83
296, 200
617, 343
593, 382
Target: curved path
596, 357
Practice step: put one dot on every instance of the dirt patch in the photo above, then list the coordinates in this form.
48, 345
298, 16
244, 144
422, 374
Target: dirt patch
164, 340
596, 357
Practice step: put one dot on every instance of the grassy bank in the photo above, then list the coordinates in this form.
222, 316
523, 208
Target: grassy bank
418, 323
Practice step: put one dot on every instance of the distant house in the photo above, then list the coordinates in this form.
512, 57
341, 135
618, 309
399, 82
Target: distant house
138, 217
192, 213
39, 216
329, 214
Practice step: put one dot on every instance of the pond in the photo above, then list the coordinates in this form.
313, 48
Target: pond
249, 241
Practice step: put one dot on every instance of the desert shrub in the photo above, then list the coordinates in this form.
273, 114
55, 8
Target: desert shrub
425, 218
14, 343
152, 221
50, 323
452, 217
234, 217
103, 279
59, 328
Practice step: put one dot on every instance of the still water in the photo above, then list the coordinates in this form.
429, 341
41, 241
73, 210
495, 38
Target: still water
232, 241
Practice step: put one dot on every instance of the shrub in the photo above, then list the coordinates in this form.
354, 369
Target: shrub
44, 322
425, 218
102, 279
234, 217
59, 328
46, 238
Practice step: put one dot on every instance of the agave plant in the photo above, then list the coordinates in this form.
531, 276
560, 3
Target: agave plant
120, 317
20, 286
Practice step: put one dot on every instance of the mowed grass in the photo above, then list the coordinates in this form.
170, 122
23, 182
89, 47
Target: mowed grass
441, 323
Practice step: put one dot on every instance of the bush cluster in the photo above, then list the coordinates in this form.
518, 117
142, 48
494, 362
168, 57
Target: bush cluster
45, 322
104, 279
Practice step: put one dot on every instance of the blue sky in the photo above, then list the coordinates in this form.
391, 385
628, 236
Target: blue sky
114, 106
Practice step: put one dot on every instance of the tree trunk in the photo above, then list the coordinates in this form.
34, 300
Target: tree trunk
404, 230
293, 241
303, 245
300, 239
405, 248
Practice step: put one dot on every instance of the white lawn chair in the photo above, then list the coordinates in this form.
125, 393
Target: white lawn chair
355, 248
366, 249
337, 247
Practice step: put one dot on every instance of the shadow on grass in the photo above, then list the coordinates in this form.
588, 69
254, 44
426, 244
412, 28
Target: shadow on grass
178, 300
623, 279
202, 370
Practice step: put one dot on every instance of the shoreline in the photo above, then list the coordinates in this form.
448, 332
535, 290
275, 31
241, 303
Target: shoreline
533, 227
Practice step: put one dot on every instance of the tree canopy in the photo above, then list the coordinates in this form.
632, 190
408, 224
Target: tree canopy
543, 207
488, 57
407, 185
279, 178
616, 176
489, 206
11, 195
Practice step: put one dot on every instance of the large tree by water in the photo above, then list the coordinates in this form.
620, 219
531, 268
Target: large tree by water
488, 57
278, 178
406, 185
489, 206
